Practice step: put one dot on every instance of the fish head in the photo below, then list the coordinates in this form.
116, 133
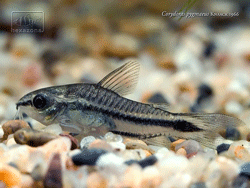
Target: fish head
41, 105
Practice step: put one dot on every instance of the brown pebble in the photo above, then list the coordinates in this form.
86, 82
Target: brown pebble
167, 63
73, 140
96, 180
10, 127
53, 177
101, 144
32, 137
173, 144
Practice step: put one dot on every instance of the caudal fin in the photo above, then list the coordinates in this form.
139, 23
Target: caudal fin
208, 125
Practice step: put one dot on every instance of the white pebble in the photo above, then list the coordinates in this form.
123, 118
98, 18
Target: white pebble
233, 107
74, 152
173, 165
109, 136
118, 138
86, 141
1, 132
118, 146
111, 164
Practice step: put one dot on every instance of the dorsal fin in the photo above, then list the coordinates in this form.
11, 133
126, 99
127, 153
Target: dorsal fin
123, 79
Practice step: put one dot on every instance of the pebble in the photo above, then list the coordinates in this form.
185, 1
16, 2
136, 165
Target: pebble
53, 177
181, 151
123, 45
172, 165
88, 157
39, 171
58, 145
86, 141
10, 141
95, 179
101, 144
26, 181
151, 160
209, 49
10, 176
191, 147
182, 66
32, 137
232, 133
20, 156
32, 75
138, 144
241, 181
233, 107
239, 150
111, 164
198, 185
10, 127
157, 98
53, 129
129, 179
223, 147
228, 167
74, 142
118, 146
151, 177
1, 133
111, 137
175, 143
204, 91
245, 170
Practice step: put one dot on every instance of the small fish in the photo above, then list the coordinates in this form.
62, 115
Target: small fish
94, 109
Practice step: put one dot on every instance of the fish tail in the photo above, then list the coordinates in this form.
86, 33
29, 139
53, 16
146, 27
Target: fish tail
207, 127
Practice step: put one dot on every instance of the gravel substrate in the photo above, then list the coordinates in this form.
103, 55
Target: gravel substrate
198, 64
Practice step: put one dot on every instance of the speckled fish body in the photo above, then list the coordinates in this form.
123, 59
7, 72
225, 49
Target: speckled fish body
98, 108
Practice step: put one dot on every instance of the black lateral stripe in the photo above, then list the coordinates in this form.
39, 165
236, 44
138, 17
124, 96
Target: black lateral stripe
137, 135
180, 125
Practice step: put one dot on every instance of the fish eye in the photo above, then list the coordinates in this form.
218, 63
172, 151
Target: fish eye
39, 101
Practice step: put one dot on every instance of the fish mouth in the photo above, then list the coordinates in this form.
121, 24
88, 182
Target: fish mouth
20, 103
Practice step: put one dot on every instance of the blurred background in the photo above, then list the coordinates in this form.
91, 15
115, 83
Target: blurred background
195, 63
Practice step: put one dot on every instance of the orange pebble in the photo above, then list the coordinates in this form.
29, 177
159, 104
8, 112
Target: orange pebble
148, 153
10, 175
173, 144
238, 151
181, 151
